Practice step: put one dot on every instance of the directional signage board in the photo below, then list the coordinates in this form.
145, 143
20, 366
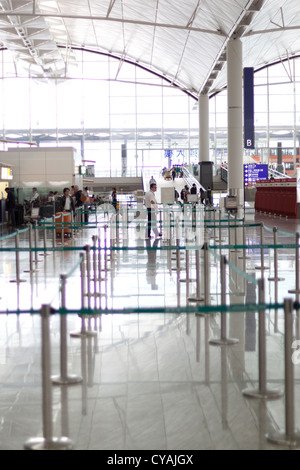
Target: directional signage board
248, 108
254, 172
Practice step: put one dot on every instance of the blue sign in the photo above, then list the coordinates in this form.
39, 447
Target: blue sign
254, 172
248, 108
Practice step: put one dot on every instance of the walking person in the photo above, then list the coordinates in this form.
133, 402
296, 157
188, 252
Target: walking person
152, 181
194, 189
114, 199
85, 197
194, 194
186, 193
151, 205
77, 196
11, 206
173, 173
209, 195
66, 204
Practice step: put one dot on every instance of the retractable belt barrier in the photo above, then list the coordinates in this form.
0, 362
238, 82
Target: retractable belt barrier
94, 270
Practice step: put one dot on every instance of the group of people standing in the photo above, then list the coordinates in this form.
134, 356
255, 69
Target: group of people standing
177, 172
11, 205
205, 196
71, 199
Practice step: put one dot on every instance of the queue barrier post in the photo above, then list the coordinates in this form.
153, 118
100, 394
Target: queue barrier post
262, 266
36, 260
244, 243
31, 268
89, 294
262, 391
47, 442
45, 240
64, 378
198, 297
83, 333
223, 340
297, 274
53, 234
289, 436
17, 246
275, 241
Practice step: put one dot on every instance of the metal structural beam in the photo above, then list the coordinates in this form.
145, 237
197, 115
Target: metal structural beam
237, 31
116, 20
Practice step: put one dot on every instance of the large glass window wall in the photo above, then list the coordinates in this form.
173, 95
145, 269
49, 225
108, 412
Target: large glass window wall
105, 105
102, 106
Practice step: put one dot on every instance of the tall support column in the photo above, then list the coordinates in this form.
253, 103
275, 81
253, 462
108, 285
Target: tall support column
235, 120
203, 128
205, 166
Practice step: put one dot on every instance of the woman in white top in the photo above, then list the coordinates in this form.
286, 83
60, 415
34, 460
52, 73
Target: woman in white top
35, 198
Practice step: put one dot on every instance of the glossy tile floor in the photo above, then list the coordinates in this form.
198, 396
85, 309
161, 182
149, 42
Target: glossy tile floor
149, 380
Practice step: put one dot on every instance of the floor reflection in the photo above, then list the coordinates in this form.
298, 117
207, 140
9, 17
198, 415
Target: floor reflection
147, 380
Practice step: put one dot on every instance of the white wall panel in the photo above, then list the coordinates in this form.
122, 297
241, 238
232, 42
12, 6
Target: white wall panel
43, 168
32, 163
61, 161
30, 181
59, 181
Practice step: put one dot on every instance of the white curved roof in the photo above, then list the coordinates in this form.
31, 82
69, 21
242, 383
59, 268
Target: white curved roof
183, 40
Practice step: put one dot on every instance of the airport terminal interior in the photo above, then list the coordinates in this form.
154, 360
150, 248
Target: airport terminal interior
189, 339
146, 375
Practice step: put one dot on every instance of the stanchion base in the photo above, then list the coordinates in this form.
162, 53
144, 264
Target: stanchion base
262, 268
83, 334
294, 291
39, 443
281, 438
266, 395
31, 271
187, 280
195, 299
69, 380
223, 342
244, 257
95, 294
276, 279
18, 281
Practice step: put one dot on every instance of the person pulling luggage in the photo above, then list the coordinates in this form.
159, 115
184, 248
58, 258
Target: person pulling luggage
66, 202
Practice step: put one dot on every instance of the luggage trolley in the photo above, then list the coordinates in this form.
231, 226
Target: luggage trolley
62, 221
